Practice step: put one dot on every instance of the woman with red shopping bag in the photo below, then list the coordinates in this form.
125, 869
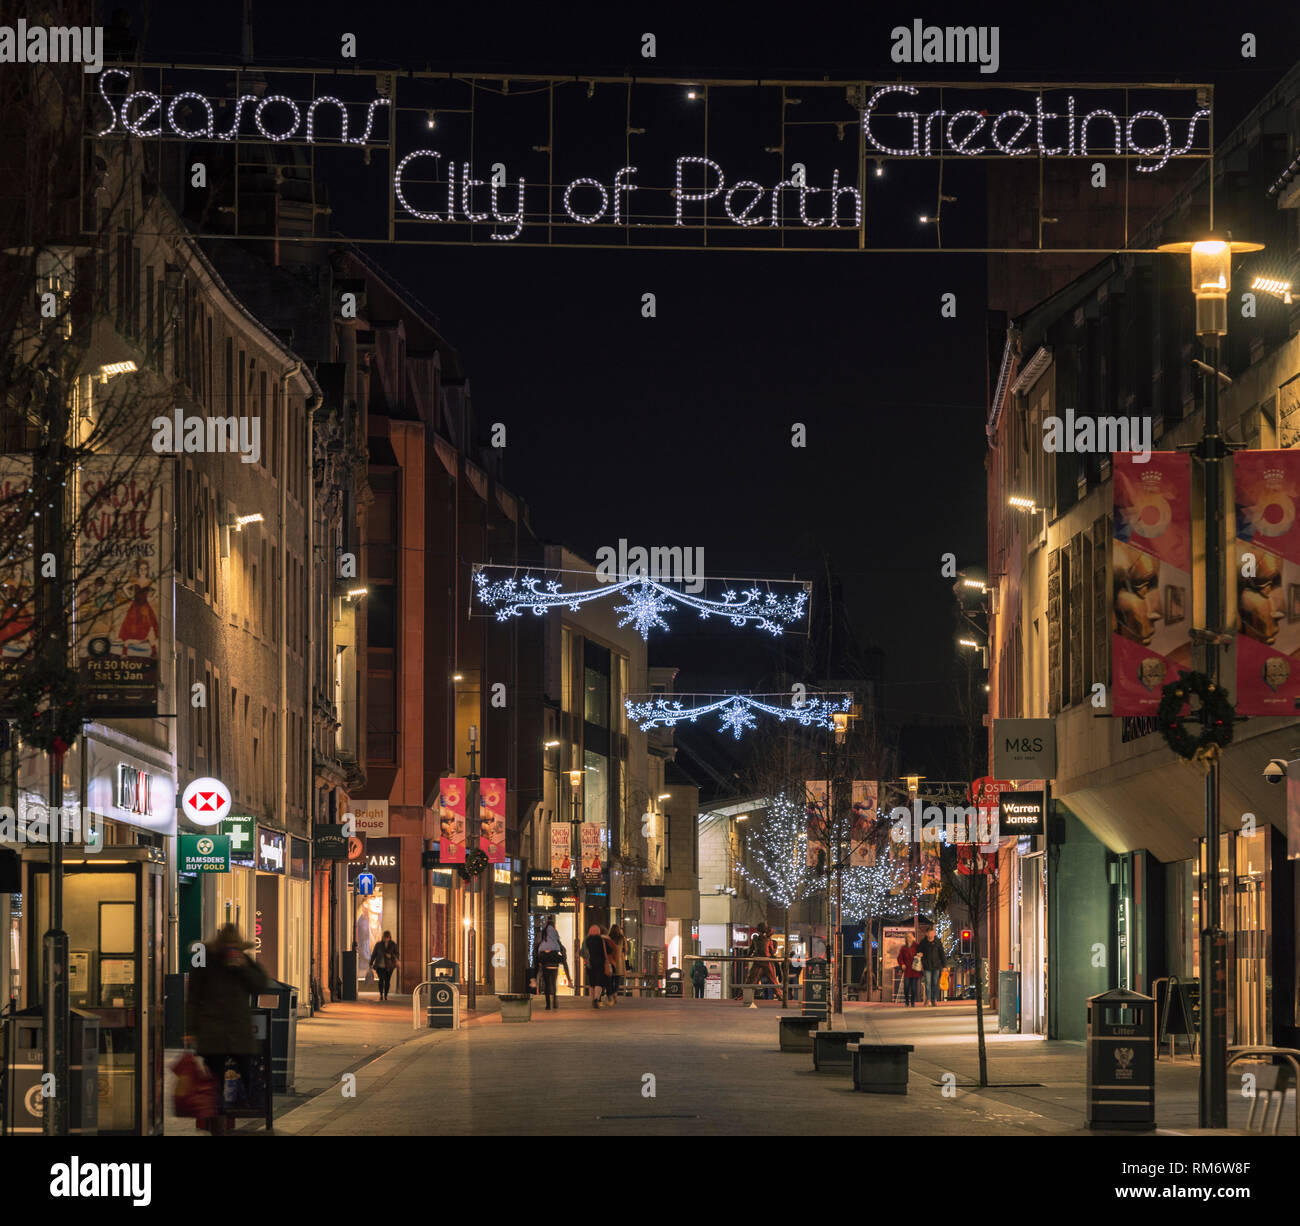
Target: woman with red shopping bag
219, 1021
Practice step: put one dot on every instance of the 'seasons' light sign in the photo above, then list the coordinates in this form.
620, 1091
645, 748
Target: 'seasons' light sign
500, 181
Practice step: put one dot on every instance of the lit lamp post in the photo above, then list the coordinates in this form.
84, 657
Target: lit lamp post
575, 790
914, 851
471, 895
1211, 260
840, 721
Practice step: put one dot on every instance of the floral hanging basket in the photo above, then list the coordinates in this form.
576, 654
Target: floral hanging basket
1216, 717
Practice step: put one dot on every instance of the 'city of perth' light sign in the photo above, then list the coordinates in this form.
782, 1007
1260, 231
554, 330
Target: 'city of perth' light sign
673, 190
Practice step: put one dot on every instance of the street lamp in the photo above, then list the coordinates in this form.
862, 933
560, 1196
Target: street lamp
972, 645
1211, 260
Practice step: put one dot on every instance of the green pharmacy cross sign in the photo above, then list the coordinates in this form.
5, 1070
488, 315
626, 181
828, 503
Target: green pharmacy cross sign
204, 853
242, 833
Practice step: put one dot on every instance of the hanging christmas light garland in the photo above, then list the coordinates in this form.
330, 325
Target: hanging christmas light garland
647, 601
736, 710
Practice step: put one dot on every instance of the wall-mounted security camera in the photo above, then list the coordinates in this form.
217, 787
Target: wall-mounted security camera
1275, 771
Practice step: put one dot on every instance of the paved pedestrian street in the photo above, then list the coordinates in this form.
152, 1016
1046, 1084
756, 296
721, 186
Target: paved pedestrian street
667, 1067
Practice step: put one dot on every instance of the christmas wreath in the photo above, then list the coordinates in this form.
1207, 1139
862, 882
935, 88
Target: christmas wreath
475, 862
1216, 717
49, 707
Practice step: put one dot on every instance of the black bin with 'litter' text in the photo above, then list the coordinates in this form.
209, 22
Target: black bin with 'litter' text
1121, 1085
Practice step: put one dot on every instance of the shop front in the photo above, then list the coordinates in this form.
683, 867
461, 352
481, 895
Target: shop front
268, 901
115, 890
546, 899
1257, 911
375, 903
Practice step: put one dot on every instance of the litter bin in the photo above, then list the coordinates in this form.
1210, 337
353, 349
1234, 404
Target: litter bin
1008, 1002
1121, 1086
24, 1102
816, 989
444, 968
674, 982
282, 1000
444, 1004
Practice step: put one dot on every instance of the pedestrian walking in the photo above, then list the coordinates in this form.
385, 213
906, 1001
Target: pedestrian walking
909, 958
699, 976
218, 1020
768, 949
618, 961
550, 954
933, 960
384, 962
595, 957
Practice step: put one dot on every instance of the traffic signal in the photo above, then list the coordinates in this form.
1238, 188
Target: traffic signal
965, 942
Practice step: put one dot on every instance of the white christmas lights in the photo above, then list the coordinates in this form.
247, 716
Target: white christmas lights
736, 711
133, 124
512, 596
272, 100
1076, 132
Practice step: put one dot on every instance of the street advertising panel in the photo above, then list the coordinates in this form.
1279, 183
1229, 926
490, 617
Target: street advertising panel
591, 870
1152, 564
120, 568
816, 819
862, 848
17, 576
1267, 487
451, 817
561, 853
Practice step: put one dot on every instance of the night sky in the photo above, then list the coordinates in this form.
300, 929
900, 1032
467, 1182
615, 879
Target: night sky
676, 430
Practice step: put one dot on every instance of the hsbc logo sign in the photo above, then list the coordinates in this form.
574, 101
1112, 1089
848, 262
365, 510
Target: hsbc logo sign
206, 802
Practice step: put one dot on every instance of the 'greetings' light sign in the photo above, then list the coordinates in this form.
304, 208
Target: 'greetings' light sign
432, 185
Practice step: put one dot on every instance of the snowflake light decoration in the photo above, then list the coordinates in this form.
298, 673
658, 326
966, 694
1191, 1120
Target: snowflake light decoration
737, 710
647, 601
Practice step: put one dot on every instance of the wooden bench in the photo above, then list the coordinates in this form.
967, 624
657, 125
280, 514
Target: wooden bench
880, 1068
830, 1050
796, 1033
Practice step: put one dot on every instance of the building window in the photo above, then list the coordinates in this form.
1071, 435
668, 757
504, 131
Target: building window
595, 684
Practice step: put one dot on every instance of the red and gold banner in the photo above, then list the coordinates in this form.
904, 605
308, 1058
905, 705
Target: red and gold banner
862, 848
1267, 485
1152, 565
492, 819
451, 817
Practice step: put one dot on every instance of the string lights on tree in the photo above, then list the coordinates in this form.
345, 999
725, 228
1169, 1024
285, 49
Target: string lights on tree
736, 710
647, 601
777, 853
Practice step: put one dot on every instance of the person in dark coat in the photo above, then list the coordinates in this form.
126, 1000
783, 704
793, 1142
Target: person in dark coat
907, 957
596, 951
384, 962
218, 1018
699, 976
933, 960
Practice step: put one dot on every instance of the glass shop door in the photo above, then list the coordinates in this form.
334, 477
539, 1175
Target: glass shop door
113, 915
